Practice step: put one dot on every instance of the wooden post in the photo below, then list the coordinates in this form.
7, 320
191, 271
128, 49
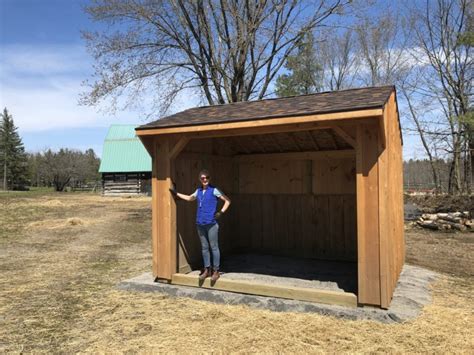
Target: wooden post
163, 213
367, 215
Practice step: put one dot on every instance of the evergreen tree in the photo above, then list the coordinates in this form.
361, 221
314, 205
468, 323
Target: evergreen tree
305, 73
13, 159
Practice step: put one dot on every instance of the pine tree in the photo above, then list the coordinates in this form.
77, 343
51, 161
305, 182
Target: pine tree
305, 74
13, 159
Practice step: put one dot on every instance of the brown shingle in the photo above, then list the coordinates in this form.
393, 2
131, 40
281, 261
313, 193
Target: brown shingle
325, 102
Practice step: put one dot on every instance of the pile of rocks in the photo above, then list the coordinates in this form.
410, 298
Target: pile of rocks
446, 221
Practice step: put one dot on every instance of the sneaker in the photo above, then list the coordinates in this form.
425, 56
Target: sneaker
205, 273
215, 275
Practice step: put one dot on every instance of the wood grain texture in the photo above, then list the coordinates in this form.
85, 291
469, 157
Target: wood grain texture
367, 215
334, 205
299, 225
165, 241
289, 292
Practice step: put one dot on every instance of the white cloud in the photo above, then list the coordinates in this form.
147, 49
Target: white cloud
44, 60
40, 86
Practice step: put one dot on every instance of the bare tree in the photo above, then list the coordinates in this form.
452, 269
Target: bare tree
228, 50
383, 41
417, 109
337, 53
449, 76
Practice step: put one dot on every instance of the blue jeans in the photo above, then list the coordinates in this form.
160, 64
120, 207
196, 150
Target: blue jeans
208, 234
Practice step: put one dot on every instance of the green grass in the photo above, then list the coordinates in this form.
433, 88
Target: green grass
39, 191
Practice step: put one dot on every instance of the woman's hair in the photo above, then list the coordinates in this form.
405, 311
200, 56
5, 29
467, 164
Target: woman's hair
204, 172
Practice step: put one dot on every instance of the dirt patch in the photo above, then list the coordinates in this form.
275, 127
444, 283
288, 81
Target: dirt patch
448, 253
62, 299
441, 203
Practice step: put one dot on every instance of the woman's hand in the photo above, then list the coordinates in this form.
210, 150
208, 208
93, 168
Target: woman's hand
173, 191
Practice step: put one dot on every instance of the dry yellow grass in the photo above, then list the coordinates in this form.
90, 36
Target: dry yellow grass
57, 295
143, 322
61, 223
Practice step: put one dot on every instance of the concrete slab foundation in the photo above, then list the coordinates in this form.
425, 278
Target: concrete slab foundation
287, 271
411, 294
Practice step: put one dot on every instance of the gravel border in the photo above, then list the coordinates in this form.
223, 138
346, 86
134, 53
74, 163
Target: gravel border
412, 293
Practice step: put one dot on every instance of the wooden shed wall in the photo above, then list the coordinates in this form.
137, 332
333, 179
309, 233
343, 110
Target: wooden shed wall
390, 165
381, 250
292, 204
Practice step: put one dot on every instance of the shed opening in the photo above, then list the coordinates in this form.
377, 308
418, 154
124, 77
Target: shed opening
292, 220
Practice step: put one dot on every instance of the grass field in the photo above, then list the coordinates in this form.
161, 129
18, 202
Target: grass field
62, 254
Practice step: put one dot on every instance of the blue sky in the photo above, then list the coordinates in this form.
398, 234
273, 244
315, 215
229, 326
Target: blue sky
43, 62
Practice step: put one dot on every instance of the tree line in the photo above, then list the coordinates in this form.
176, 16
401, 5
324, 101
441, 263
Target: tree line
226, 51
57, 169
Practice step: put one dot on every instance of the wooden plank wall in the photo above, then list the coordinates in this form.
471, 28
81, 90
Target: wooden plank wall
303, 208
368, 244
298, 225
392, 245
187, 167
381, 246
293, 207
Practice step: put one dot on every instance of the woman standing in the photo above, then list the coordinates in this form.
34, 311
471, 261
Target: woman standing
206, 221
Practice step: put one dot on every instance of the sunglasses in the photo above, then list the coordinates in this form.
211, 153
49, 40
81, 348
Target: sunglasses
204, 178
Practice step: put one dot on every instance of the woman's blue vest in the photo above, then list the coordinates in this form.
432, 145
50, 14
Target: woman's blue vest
206, 206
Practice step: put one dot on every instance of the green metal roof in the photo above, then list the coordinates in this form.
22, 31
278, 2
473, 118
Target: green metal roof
123, 151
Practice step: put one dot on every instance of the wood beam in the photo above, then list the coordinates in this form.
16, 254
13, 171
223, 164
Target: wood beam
293, 139
290, 292
165, 249
313, 140
272, 137
259, 143
321, 154
148, 143
261, 130
333, 139
320, 118
343, 134
239, 146
202, 156
383, 130
368, 250
178, 146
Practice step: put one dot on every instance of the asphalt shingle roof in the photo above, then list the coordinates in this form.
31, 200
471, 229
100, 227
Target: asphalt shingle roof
325, 102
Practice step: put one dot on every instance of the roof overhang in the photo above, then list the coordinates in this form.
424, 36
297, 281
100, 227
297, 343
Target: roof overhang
240, 127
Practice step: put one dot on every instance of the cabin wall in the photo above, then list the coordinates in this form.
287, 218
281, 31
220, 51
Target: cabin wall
126, 184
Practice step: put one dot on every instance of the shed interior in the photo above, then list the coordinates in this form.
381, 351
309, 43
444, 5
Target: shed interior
293, 196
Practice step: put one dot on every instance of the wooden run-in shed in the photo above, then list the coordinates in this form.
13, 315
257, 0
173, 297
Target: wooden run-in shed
315, 177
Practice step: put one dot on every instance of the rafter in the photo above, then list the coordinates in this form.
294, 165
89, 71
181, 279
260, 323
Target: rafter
344, 135
313, 140
292, 136
333, 139
272, 137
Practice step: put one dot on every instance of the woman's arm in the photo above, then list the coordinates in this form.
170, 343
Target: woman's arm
226, 202
180, 195
186, 197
